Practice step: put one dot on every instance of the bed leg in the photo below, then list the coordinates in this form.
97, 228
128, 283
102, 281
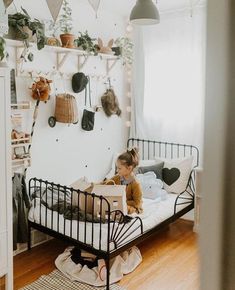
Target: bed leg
107, 273
29, 237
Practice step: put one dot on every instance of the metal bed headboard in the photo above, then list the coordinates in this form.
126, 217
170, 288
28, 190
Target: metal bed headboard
149, 149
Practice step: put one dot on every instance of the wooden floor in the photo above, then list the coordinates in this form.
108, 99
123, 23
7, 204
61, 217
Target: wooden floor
170, 261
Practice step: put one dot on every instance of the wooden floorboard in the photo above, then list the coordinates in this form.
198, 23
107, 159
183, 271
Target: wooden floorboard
170, 261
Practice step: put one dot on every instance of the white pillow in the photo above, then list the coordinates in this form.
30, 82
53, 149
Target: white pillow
175, 174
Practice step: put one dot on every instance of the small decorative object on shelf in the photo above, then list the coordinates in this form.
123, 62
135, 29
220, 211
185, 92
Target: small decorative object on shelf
19, 137
22, 27
85, 42
105, 49
16, 121
52, 41
66, 25
52, 30
19, 152
21, 105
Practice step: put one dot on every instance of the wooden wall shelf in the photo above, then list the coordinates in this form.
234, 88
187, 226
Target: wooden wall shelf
26, 105
62, 56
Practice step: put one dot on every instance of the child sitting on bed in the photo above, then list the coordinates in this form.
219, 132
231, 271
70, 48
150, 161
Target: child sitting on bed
126, 163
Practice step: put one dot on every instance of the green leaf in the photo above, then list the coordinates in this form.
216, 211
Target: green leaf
25, 12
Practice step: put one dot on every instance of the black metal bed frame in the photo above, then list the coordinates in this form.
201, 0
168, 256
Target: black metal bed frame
117, 229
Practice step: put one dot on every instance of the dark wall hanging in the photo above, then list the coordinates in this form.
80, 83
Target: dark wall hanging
88, 117
110, 103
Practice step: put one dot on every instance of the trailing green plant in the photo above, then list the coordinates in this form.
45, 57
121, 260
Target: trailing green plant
65, 19
22, 20
126, 49
85, 42
3, 52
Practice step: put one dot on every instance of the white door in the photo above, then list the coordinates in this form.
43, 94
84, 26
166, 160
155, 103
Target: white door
3, 205
6, 245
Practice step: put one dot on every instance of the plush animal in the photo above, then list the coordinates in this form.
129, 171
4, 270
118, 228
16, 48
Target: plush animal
18, 135
41, 89
110, 104
105, 49
151, 186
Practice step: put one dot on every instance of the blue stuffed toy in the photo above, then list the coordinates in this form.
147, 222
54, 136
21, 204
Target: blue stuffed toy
151, 186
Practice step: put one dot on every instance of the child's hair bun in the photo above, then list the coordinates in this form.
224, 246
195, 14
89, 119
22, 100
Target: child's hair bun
134, 152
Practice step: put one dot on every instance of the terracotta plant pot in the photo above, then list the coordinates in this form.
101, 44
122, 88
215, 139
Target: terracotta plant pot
67, 40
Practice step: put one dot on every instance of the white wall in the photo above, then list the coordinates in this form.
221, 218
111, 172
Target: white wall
65, 153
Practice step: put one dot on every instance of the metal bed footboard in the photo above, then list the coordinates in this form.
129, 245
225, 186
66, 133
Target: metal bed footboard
55, 201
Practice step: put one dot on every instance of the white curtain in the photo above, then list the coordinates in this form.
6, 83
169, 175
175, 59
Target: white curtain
169, 80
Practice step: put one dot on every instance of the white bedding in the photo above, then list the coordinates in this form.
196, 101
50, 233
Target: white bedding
155, 212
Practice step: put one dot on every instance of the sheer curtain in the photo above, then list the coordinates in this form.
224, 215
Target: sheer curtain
169, 78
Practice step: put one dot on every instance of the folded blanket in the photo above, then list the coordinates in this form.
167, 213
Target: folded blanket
60, 201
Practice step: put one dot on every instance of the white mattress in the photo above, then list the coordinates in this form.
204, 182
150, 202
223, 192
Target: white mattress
155, 212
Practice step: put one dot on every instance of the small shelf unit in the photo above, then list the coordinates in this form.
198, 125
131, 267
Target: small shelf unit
62, 56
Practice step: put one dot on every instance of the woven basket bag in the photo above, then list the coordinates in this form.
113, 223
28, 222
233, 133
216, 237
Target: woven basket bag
66, 110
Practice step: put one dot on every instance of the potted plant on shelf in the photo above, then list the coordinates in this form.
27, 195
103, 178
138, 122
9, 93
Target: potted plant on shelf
85, 42
22, 27
66, 24
124, 48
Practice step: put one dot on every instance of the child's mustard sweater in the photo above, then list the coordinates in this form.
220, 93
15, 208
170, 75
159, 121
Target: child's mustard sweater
133, 194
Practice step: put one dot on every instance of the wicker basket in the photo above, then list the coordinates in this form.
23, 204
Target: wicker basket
66, 109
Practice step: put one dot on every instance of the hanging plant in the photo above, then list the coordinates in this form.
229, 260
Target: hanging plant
24, 28
125, 49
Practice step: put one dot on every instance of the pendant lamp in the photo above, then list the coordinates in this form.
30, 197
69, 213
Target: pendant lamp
144, 13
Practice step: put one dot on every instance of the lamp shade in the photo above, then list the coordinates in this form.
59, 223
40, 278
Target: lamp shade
144, 13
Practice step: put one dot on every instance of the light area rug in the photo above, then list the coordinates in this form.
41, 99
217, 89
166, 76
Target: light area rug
57, 281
